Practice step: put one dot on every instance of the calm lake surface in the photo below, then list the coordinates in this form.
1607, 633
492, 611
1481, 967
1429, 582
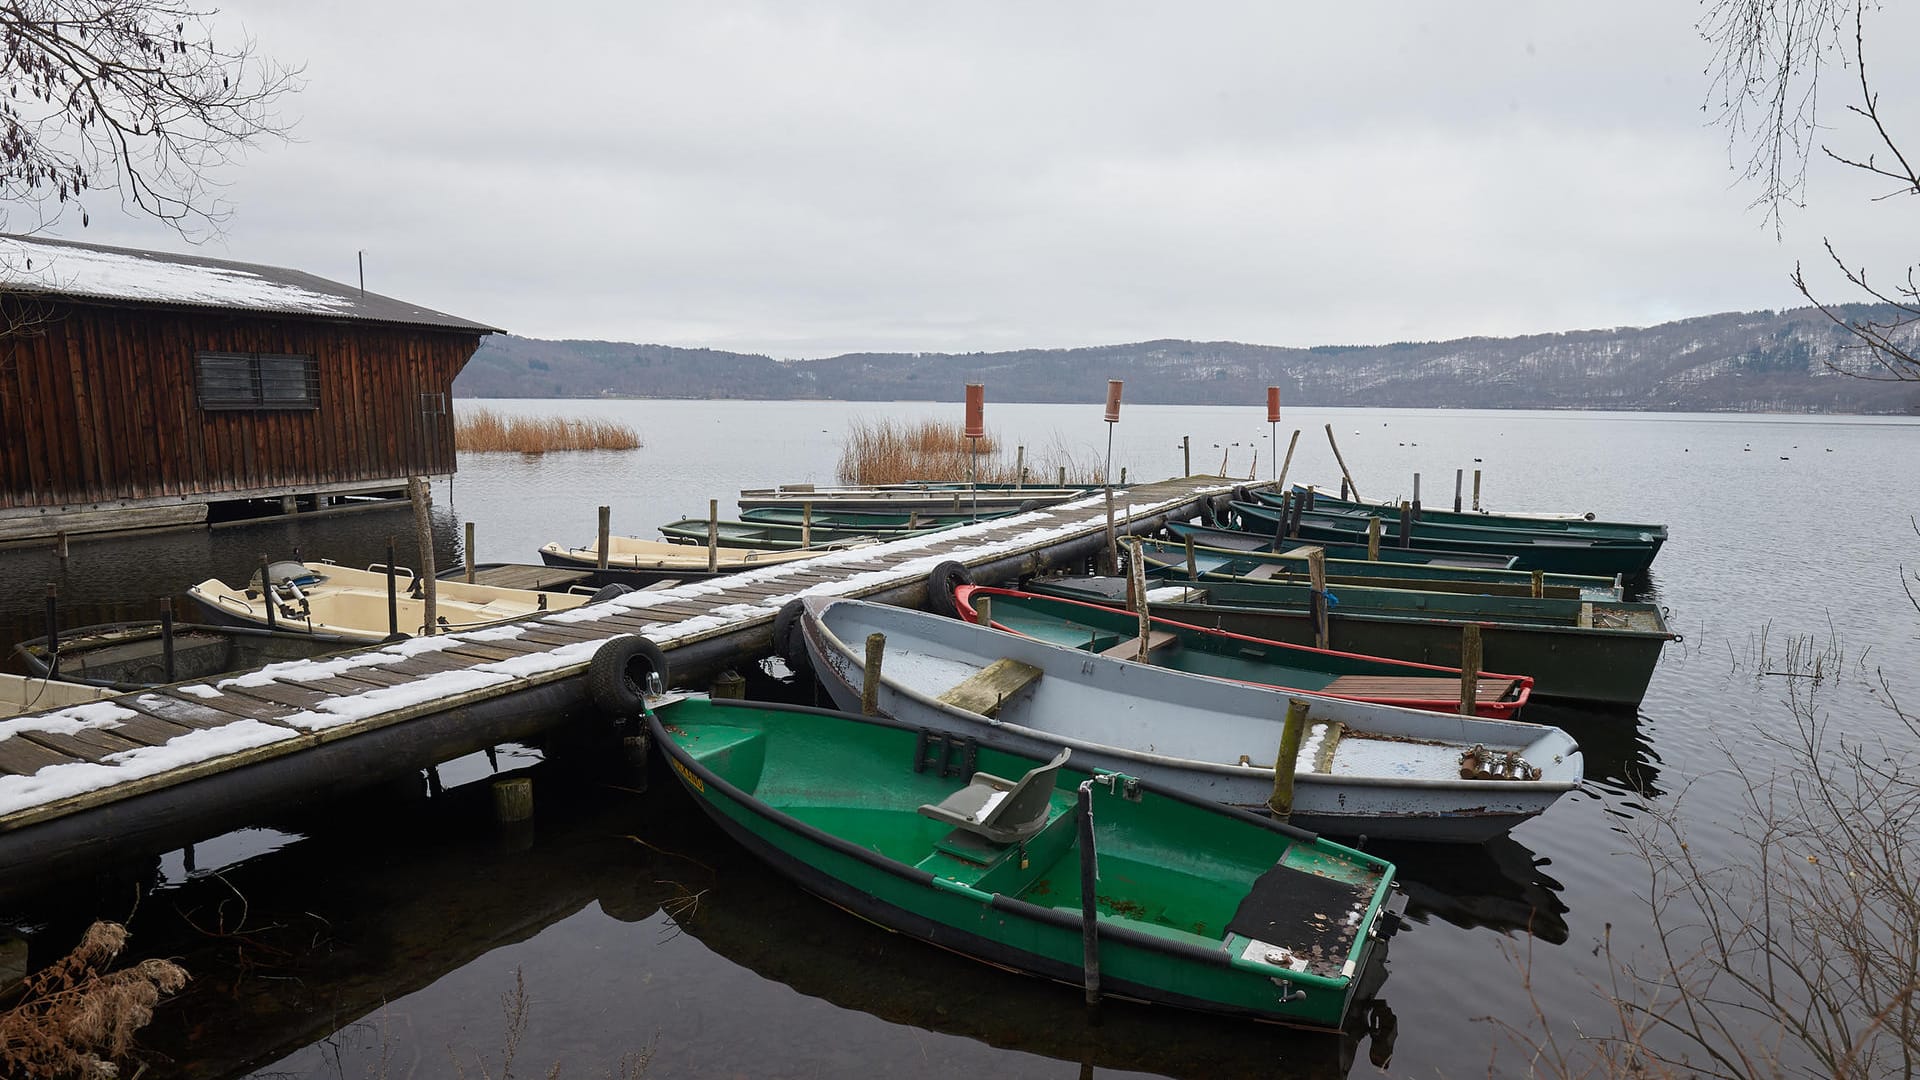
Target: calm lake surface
378, 936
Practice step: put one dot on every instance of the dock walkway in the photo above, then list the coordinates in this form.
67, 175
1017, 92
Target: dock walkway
150, 771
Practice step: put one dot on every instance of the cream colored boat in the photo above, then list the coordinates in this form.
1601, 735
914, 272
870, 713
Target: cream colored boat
633, 553
30, 693
326, 598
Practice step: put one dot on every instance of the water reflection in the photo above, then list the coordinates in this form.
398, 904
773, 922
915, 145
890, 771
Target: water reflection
1500, 885
1615, 746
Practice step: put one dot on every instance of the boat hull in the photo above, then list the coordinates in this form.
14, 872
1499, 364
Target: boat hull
1114, 709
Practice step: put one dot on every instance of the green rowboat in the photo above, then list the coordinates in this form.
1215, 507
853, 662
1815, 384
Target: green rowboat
1290, 568
1241, 540
1553, 552
1602, 653
770, 536
1570, 525
876, 523
1195, 904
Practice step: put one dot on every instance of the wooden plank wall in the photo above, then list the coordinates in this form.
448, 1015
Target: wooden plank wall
98, 403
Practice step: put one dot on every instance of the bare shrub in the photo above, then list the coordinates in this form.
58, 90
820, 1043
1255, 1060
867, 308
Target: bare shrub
76, 1018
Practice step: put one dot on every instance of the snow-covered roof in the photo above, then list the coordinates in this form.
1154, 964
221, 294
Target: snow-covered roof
94, 272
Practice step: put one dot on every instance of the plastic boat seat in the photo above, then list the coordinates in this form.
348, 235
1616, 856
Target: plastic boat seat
1000, 810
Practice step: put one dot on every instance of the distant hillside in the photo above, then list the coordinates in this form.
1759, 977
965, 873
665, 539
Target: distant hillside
1746, 362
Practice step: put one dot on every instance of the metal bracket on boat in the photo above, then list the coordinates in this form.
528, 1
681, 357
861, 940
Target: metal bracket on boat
935, 748
1288, 993
1128, 787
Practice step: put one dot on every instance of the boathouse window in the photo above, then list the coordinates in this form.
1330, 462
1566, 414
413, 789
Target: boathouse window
257, 381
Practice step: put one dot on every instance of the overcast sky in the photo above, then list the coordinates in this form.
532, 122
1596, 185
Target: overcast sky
809, 179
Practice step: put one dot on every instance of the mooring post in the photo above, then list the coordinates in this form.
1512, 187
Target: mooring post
423, 528
1459, 476
1406, 525
729, 685
266, 589
166, 640
604, 536
1351, 486
806, 524
1470, 669
1113, 549
983, 610
870, 678
713, 536
1193, 564
1137, 584
1123, 476
60, 545
1019, 467
1476, 489
1287, 762
1089, 897
470, 556
393, 594
512, 800
1416, 496
1063, 476
1286, 466
1186, 455
1317, 580
53, 629
1343, 489
1373, 539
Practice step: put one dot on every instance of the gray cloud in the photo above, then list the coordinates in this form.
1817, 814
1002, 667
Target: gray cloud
810, 179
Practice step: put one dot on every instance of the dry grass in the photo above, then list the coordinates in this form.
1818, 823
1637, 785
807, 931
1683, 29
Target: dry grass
898, 452
486, 431
74, 1018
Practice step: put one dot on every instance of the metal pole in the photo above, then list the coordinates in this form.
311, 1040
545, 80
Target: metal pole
166, 640
1089, 897
53, 630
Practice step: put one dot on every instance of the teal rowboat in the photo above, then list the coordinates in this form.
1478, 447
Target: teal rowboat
770, 536
1290, 568
1196, 905
1553, 552
1241, 540
853, 519
1197, 650
1603, 653
1572, 525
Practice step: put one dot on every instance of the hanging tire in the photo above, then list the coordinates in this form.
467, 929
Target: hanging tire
789, 639
1027, 506
945, 578
617, 676
608, 592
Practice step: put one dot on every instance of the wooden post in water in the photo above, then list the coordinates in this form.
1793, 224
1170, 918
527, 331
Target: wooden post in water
870, 678
1280, 485
1137, 584
604, 536
1063, 476
266, 591
983, 610
1317, 578
1458, 476
1416, 496
806, 524
166, 640
1019, 467
423, 532
1406, 525
1476, 489
60, 545
730, 685
713, 536
469, 553
1373, 539
1193, 564
1539, 584
1123, 476
1113, 546
512, 800
1287, 762
1089, 896
1186, 455
1469, 669
1351, 486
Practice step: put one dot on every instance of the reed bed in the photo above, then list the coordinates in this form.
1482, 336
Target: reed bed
486, 431
898, 452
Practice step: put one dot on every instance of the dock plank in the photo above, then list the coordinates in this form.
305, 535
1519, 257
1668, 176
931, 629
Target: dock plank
24, 757
200, 713
87, 744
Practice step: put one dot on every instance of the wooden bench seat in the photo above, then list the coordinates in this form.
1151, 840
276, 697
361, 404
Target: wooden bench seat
986, 690
1130, 648
1488, 688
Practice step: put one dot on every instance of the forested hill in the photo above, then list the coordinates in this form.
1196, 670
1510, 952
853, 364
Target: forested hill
1747, 362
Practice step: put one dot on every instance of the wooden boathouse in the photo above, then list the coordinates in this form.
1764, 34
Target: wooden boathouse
139, 388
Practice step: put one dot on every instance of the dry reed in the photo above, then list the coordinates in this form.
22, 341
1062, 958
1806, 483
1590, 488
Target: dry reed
898, 452
75, 1017
486, 431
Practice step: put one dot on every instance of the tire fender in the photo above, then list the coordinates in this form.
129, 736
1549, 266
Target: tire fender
945, 578
789, 641
617, 676
608, 592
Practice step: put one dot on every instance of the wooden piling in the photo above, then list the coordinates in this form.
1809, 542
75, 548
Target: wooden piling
468, 554
605, 535
512, 800
1123, 476
1373, 539
1470, 669
60, 545
1287, 762
806, 525
1351, 486
1406, 525
1476, 489
1113, 543
1186, 455
870, 678
422, 496
1416, 495
1063, 476
983, 610
713, 536
1137, 585
1317, 577
1539, 584
1019, 467
1458, 476
1280, 485
1193, 564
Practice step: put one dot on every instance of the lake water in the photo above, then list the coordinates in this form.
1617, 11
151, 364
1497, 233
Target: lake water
377, 936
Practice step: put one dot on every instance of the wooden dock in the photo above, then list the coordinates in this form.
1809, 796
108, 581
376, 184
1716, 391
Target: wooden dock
148, 772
